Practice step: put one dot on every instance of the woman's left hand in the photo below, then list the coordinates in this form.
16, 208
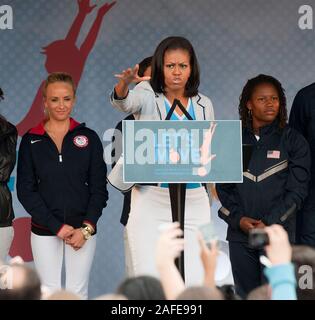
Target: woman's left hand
76, 241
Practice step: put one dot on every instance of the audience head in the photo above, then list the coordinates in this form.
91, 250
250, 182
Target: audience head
228, 292
200, 293
260, 293
141, 288
111, 296
63, 295
19, 282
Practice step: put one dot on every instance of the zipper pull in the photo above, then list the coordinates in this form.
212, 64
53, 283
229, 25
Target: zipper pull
60, 158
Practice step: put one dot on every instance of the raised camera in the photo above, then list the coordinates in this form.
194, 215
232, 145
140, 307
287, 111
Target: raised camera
258, 238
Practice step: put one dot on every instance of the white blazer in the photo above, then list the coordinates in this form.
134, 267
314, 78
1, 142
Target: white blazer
145, 104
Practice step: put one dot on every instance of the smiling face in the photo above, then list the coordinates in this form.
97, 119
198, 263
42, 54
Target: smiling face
264, 104
59, 100
177, 70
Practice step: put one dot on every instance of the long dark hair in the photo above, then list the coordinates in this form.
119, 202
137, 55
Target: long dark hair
157, 78
144, 65
1, 94
246, 95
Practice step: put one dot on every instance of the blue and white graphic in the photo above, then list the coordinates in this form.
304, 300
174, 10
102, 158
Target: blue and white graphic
182, 151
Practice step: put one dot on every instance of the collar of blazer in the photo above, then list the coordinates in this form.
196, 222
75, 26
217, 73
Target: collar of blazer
199, 102
199, 105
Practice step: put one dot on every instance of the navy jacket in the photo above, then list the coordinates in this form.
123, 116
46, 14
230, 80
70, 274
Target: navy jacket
302, 118
66, 188
274, 185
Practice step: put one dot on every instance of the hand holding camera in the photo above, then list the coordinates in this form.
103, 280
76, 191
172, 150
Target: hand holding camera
279, 250
170, 244
274, 239
258, 238
209, 251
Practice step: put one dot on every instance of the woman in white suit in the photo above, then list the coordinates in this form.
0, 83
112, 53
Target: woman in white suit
175, 75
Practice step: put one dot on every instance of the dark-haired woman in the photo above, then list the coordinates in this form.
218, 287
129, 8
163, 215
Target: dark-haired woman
175, 75
8, 137
275, 182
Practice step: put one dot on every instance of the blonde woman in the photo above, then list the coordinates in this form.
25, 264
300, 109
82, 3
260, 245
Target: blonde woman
61, 182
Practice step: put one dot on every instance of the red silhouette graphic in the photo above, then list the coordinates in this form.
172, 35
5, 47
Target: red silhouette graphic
21, 244
64, 55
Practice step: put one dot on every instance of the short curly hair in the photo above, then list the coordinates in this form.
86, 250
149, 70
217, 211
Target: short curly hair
247, 94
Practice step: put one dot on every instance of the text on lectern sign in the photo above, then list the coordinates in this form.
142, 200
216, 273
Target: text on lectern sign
182, 151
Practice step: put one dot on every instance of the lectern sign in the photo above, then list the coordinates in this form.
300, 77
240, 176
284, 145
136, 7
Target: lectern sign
182, 151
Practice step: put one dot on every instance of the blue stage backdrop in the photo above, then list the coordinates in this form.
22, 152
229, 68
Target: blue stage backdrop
234, 40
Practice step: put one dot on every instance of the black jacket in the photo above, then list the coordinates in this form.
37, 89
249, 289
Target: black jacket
275, 183
8, 137
302, 118
116, 153
67, 188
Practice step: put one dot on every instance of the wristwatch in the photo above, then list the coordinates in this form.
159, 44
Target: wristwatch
87, 231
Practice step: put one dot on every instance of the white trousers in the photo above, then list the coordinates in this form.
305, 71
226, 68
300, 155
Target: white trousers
150, 207
6, 237
48, 253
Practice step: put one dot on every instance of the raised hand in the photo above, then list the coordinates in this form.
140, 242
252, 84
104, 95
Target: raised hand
279, 250
84, 6
209, 257
169, 245
131, 75
105, 8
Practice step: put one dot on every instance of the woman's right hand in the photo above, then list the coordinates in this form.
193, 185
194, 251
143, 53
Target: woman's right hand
131, 75
65, 232
247, 224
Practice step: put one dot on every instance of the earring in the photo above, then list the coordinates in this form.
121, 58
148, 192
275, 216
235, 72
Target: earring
46, 113
250, 113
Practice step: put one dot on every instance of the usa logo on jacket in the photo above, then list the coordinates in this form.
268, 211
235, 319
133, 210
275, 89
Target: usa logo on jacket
81, 141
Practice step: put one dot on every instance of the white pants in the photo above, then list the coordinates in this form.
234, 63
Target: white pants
48, 253
128, 262
150, 207
6, 237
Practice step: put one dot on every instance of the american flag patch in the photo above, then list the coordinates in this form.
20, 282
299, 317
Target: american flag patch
273, 154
